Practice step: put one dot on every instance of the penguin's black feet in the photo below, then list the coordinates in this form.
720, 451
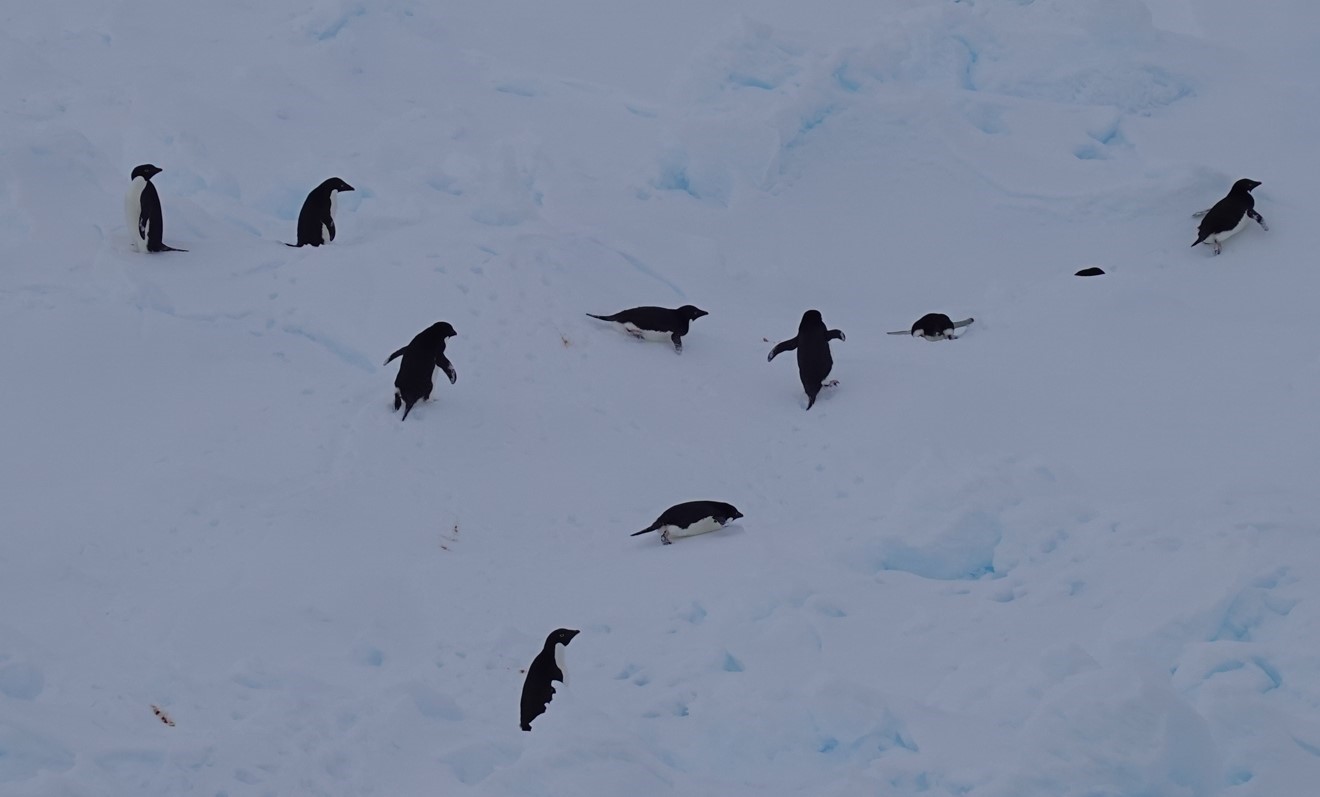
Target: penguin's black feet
664, 539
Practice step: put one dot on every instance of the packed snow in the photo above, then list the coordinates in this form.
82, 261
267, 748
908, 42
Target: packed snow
1072, 553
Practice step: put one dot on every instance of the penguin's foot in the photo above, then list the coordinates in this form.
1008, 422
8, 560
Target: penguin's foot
831, 383
664, 538
636, 334
1218, 248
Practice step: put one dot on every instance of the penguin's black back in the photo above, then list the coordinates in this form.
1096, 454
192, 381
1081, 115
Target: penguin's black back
653, 319
813, 352
1227, 213
151, 213
689, 512
538, 686
932, 324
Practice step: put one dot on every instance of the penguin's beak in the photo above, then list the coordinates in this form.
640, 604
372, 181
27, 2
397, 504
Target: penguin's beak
700, 313
346, 187
572, 634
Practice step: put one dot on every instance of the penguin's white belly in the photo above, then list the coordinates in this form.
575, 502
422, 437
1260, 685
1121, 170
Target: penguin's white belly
646, 334
325, 234
559, 660
703, 526
1220, 237
133, 212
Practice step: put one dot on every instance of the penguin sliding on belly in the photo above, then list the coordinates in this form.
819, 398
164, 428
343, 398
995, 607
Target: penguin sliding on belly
142, 212
655, 323
316, 221
691, 518
1229, 216
935, 326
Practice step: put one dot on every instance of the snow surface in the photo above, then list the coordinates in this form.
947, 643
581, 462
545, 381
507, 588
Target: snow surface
1073, 553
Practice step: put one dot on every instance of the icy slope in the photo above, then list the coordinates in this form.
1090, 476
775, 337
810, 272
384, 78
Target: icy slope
1073, 553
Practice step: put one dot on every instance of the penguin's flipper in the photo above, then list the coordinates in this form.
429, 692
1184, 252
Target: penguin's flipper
448, 367
780, 348
835, 334
1198, 214
1259, 220
963, 323
398, 353
900, 332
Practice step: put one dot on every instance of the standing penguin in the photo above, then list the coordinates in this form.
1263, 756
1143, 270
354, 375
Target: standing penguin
547, 667
316, 221
813, 353
691, 518
1229, 215
656, 323
421, 356
146, 222
935, 326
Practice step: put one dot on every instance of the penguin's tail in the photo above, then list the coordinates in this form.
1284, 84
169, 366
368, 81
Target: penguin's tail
407, 410
286, 243
647, 530
1201, 238
168, 248
601, 317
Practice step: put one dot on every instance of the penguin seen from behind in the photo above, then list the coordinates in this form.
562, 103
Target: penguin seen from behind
813, 353
421, 356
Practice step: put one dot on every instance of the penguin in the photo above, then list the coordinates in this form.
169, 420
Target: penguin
935, 326
420, 358
655, 323
546, 668
316, 221
813, 353
1093, 271
691, 518
146, 223
1229, 215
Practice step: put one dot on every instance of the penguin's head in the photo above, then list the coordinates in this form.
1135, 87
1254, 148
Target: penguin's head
691, 312
1245, 185
732, 512
146, 171
812, 319
442, 329
336, 184
560, 636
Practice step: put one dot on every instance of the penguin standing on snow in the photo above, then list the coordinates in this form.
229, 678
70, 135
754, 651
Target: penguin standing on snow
316, 221
1229, 215
935, 326
547, 667
813, 353
146, 222
691, 518
656, 323
421, 356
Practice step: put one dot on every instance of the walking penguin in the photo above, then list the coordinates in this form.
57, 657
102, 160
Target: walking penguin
813, 353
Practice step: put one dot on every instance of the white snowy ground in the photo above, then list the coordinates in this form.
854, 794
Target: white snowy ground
1073, 553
